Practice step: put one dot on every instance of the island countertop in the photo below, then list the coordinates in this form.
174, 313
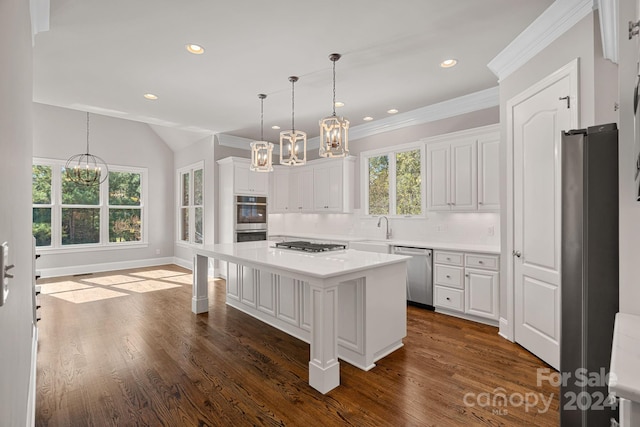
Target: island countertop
320, 265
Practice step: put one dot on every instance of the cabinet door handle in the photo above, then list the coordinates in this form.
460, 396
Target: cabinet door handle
480, 262
480, 203
448, 276
467, 275
448, 299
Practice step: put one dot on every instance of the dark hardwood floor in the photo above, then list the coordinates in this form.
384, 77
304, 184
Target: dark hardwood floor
123, 348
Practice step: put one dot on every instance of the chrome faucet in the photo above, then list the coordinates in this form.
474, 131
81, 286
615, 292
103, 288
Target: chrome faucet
387, 221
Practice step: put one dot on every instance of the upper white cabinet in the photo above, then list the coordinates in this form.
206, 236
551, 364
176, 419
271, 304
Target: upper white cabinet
247, 181
320, 186
462, 171
488, 174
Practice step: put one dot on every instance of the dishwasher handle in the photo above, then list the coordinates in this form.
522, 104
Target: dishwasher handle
405, 250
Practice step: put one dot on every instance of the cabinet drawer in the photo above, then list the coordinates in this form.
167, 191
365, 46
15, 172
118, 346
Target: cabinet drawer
453, 299
482, 261
448, 276
451, 258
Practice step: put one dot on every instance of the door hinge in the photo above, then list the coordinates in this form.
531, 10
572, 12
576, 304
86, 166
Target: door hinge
634, 29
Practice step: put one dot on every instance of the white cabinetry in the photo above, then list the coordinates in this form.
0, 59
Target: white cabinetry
462, 171
319, 186
488, 174
467, 284
247, 181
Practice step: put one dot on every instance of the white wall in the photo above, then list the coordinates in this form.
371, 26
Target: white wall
629, 207
201, 150
437, 227
15, 204
60, 133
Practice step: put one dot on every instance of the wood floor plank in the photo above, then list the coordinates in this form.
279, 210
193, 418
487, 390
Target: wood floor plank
144, 358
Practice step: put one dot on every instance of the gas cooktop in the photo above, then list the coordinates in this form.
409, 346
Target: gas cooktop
310, 247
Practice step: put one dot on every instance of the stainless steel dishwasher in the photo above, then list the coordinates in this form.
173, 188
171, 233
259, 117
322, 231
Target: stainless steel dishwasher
419, 275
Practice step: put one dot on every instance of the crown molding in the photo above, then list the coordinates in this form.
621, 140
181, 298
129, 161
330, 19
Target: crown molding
608, 10
551, 24
453, 107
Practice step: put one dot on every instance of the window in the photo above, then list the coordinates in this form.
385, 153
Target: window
71, 215
393, 181
191, 204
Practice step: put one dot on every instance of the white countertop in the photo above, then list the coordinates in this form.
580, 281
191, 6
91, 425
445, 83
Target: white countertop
321, 265
464, 247
624, 379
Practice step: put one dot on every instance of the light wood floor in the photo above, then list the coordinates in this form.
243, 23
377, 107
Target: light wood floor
123, 348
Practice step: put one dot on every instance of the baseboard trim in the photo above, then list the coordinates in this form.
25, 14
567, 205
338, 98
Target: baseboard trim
108, 266
504, 329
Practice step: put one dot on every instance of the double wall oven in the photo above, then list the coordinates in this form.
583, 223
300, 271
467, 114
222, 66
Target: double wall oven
251, 218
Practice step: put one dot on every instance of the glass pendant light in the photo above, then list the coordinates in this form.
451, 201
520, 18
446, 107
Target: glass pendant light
86, 169
334, 130
293, 143
261, 150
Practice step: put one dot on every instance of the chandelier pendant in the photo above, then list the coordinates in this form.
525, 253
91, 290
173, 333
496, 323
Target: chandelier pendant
334, 130
293, 143
86, 169
261, 151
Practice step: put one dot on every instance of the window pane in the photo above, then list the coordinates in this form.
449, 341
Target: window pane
184, 224
408, 183
41, 184
379, 185
80, 226
124, 188
185, 189
198, 230
41, 226
197, 187
124, 225
79, 194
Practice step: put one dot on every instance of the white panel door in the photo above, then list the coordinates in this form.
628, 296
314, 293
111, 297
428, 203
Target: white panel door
481, 293
537, 125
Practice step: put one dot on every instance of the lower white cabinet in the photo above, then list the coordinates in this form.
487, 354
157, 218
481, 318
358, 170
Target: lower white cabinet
467, 283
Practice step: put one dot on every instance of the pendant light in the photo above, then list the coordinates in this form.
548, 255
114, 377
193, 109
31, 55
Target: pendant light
261, 150
334, 130
86, 169
293, 143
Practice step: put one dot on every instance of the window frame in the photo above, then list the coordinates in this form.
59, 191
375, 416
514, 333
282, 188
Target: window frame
103, 205
391, 153
190, 170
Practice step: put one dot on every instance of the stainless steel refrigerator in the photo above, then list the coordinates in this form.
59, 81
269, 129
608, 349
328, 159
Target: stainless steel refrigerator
589, 272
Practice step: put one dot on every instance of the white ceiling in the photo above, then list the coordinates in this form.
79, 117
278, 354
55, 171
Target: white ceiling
102, 56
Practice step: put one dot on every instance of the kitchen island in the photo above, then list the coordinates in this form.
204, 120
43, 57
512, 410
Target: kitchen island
347, 304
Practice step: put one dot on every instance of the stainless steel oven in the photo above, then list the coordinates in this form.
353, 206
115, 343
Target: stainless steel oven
251, 218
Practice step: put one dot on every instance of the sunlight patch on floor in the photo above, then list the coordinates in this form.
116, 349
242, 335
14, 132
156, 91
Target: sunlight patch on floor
87, 295
146, 286
157, 274
65, 286
111, 280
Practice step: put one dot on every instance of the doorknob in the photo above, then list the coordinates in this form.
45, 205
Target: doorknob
517, 253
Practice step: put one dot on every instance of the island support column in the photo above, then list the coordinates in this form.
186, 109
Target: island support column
200, 300
324, 369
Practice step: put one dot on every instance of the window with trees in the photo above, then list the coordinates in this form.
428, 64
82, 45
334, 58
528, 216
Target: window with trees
191, 204
67, 214
393, 181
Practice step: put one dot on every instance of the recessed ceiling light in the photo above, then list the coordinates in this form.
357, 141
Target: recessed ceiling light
448, 63
196, 49
392, 111
276, 127
150, 96
367, 119
339, 104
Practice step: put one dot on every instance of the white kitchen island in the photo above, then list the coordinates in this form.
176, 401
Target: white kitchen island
346, 304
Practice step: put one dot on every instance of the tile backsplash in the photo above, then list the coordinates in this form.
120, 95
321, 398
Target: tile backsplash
464, 228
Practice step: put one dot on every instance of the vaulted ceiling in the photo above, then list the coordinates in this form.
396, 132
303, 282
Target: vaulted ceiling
103, 56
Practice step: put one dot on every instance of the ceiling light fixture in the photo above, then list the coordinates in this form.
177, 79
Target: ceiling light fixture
293, 143
86, 169
334, 130
275, 127
196, 49
448, 63
262, 150
392, 111
150, 96
367, 119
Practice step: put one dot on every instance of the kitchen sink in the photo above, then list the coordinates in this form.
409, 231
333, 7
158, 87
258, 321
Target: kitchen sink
379, 246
